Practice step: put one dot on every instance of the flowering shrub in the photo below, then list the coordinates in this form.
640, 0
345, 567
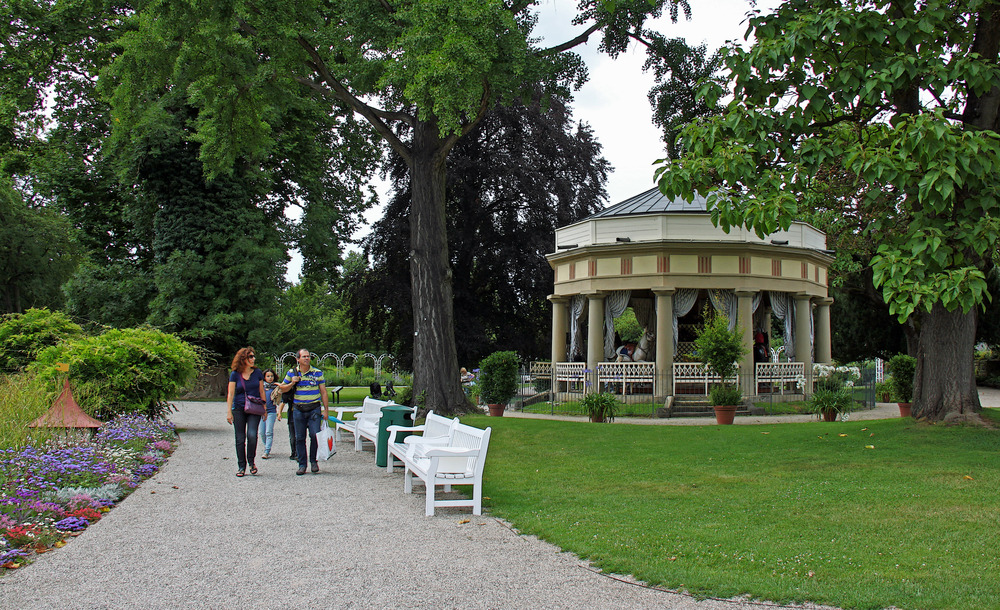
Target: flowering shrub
49, 491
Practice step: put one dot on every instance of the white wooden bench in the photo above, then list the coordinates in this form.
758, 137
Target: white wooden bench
436, 430
459, 463
365, 422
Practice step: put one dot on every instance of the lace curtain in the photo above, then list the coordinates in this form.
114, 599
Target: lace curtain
783, 308
725, 302
615, 304
684, 300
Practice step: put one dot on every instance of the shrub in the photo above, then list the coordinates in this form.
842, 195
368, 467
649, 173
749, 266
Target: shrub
840, 401
725, 395
122, 371
903, 368
20, 404
498, 377
721, 350
23, 336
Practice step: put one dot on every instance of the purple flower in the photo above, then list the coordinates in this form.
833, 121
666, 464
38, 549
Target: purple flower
71, 524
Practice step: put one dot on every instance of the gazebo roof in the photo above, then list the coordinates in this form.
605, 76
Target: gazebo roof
653, 202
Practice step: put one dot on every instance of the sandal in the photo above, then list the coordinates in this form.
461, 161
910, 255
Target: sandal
253, 470
240, 472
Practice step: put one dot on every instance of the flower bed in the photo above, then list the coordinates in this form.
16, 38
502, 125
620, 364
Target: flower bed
55, 491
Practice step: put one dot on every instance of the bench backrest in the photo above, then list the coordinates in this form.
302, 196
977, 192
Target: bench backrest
438, 425
467, 437
373, 406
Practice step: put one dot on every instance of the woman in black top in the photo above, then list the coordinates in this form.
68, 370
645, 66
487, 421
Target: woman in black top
245, 379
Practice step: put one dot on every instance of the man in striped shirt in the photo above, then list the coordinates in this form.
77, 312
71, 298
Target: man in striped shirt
310, 393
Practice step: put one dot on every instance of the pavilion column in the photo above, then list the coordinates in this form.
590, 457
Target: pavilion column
595, 334
824, 351
803, 348
744, 322
559, 328
664, 378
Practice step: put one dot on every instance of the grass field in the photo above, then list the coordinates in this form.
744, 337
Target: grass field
858, 514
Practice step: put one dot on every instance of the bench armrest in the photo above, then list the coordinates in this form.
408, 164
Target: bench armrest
394, 428
451, 452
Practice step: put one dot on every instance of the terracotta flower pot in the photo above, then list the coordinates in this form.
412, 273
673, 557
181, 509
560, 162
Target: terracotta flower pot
496, 410
725, 414
829, 415
904, 408
597, 419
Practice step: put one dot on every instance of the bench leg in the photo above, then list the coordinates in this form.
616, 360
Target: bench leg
477, 499
407, 482
429, 500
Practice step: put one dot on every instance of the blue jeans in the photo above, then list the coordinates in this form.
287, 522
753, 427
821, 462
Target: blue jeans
267, 430
307, 421
246, 426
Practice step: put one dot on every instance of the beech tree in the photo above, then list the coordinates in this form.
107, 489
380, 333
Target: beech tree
420, 73
902, 96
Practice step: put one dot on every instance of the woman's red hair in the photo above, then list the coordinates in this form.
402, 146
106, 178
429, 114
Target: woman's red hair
242, 359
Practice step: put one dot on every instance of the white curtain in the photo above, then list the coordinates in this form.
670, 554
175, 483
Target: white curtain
726, 303
784, 309
615, 304
577, 309
643, 309
684, 300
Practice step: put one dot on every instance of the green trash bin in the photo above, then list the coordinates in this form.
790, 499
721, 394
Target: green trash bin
392, 415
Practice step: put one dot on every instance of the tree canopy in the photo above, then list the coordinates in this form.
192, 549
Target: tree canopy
902, 98
421, 74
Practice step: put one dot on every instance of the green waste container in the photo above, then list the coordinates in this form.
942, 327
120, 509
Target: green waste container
392, 415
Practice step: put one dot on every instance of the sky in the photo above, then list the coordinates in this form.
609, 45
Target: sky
614, 100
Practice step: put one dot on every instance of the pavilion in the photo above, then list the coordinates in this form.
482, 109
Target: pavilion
666, 260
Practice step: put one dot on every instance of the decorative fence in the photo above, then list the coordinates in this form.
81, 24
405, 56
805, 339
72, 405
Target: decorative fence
336, 362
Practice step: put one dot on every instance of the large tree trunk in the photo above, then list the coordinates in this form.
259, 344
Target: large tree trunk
436, 382
945, 382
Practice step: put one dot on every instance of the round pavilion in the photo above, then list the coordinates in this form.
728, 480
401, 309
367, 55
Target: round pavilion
666, 260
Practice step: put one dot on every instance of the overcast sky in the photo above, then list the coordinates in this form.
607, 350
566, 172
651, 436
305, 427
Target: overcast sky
614, 102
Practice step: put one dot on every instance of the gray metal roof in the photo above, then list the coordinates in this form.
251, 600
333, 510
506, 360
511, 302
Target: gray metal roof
652, 202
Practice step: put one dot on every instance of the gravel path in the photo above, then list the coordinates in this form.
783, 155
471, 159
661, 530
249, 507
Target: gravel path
195, 536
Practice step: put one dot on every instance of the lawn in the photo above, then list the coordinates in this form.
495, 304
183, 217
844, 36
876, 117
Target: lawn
857, 514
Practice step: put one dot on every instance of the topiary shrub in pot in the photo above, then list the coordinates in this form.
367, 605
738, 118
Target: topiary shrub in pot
722, 350
498, 380
903, 368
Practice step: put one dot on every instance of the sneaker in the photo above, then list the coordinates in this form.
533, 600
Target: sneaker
301, 470
315, 467
266, 455
294, 457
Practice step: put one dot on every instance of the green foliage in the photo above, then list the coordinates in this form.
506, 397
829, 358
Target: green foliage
116, 295
23, 336
888, 100
884, 392
601, 406
22, 402
718, 347
122, 371
570, 484
38, 252
627, 327
497, 380
902, 368
312, 314
725, 394
839, 400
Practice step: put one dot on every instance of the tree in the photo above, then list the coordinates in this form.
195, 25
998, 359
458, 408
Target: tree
522, 172
902, 97
421, 73
679, 70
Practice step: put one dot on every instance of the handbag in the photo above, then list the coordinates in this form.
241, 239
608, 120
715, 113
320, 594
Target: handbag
253, 405
327, 447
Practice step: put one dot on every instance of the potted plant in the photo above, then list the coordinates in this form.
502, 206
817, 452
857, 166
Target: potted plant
498, 380
721, 350
600, 406
903, 368
834, 390
883, 391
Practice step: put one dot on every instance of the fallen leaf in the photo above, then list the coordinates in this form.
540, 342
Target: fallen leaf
869, 446
463, 521
967, 477
761, 433
152, 492
871, 435
810, 574
841, 434
863, 429
175, 487
674, 558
